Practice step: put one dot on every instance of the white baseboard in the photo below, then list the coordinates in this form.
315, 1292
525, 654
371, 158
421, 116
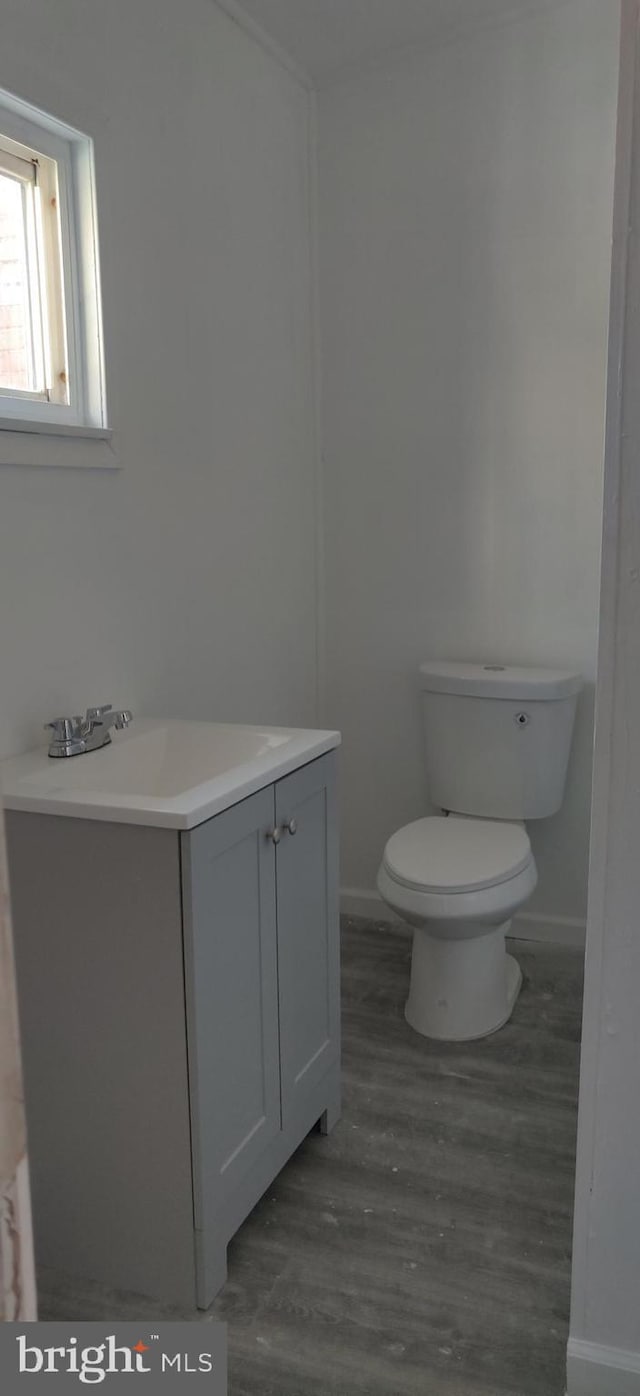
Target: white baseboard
568, 931
593, 1370
356, 901
551, 930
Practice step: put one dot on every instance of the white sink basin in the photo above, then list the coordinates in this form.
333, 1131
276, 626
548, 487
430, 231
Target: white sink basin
168, 773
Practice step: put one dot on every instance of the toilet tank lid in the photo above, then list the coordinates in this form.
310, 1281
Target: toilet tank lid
498, 680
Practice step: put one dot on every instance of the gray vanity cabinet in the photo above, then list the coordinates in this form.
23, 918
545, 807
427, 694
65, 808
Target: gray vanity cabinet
155, 1130
261, 945
307, 932
231, 960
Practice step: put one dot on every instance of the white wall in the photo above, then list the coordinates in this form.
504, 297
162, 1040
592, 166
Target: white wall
465, 201
604, 1347
185, 582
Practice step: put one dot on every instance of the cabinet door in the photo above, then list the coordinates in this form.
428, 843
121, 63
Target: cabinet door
232, 996
308, 929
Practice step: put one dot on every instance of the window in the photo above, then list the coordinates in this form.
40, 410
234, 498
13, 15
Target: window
33, 353
51, 361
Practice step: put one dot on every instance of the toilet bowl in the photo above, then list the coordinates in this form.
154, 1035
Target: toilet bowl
458, 881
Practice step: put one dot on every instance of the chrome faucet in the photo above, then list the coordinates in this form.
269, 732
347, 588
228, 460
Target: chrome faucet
74, 735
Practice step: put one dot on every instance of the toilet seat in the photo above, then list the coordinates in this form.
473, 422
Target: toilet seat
443, 855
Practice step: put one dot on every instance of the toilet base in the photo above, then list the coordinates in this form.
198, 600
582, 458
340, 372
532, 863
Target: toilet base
462, 987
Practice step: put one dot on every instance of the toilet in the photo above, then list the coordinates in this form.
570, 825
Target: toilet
498, 739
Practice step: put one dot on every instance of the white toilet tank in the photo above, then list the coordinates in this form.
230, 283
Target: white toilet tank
498, 737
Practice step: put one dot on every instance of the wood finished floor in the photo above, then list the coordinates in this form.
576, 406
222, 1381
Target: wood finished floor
423, 1249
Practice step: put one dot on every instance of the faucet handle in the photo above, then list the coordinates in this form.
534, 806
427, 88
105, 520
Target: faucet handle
64, 728
96, 714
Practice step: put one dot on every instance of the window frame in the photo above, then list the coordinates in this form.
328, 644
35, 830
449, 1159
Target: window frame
72, 153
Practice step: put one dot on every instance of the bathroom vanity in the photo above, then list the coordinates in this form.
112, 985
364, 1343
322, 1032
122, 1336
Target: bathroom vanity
176, 927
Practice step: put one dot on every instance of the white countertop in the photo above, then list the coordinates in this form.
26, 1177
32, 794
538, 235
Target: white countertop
167, 773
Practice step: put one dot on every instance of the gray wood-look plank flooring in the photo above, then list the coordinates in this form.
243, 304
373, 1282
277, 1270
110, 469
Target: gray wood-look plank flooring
423, 1248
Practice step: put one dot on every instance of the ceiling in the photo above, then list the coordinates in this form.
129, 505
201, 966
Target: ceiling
325, 37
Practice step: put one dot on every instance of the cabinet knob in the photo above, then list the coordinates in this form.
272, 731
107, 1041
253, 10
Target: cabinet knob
274, 834
292, 826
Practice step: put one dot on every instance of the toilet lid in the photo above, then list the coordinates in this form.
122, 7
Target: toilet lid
442, 854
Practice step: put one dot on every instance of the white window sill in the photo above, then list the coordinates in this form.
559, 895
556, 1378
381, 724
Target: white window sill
55, 445
54, 428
